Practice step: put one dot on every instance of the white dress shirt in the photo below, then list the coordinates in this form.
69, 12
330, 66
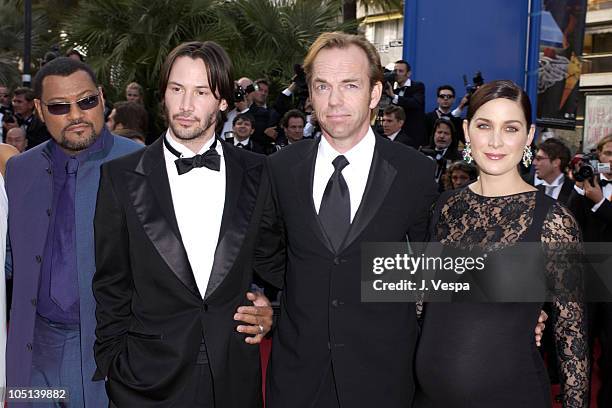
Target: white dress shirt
244, 143
607, 193
198, 197
401, 93
553, 189
393, 136
355, 173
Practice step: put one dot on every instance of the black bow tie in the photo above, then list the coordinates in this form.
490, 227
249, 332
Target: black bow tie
604, 183
209, 159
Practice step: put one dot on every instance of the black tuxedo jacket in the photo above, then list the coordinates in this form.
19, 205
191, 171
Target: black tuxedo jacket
323, 320
413, 102
596, 226
151, 318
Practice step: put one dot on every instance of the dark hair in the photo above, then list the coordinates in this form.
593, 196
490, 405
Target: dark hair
408, 67
217, 62
396, 111
293, 113
244, 116
500, 89
130, 134
262, 81
131, 115
443, 120
340, 40
447, 87
61, 66
470, 169
25, 91
556, 149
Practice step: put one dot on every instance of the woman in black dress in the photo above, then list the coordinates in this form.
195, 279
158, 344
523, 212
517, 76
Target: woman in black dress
484, 354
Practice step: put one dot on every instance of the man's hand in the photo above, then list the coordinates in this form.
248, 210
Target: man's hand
592, 190
464, 101
539, 329
271, 132
258, 316
389, 90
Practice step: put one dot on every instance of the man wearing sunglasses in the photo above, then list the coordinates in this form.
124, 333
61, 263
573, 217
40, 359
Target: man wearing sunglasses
52, 190
445, 98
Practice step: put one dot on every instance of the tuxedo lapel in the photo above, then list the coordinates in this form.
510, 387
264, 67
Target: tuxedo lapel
241, 189
382, 174
303, 176
152, 199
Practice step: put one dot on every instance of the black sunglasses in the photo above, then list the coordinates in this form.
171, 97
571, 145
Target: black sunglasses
446, 96
62, 108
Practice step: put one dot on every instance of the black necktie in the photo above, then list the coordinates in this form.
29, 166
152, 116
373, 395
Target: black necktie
209, 159
335, 211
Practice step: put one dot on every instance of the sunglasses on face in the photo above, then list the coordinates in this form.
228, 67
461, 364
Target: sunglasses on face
62, 108
446, 96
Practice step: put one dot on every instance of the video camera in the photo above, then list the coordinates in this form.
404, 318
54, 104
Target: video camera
389, 78
477, 82
585, 167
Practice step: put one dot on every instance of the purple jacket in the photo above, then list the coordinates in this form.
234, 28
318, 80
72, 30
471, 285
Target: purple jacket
29, 187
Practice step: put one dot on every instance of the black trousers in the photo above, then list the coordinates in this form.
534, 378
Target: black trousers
198, 392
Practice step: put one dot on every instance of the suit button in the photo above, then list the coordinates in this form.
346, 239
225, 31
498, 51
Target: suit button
29, 346
336, 261
334, 303
38, 259
33, 302
48, 212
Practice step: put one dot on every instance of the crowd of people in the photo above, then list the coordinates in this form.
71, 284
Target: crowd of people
132, 267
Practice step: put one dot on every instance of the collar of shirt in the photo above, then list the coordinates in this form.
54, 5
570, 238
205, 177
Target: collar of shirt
441, 113
185, 151
244, 142
356, 173
556, 182
59, 156
393, 136
407, 83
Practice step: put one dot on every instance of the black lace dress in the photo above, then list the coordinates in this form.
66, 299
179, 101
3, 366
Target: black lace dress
484, 354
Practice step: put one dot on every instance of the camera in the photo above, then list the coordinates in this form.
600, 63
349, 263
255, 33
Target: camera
7, 114
240, 93
389, 78
585, 167
477, 82
299, 78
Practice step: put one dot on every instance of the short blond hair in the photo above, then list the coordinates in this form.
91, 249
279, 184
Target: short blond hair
343, 40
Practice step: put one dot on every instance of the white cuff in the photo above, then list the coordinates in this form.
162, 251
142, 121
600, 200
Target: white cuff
596, 206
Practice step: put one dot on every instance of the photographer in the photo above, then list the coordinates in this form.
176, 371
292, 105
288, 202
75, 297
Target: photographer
410, 95
243, 90
23, 106
446, 99
7, 118
591, 204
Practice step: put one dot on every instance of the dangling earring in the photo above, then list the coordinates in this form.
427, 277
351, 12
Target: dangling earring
467, 153
527, 156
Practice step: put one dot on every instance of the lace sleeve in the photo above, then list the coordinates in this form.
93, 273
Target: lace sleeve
561, 243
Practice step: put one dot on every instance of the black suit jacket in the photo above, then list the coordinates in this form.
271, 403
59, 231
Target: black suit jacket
403, 137
413, 102
151, 318
323, 319
596, 226
566, 189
